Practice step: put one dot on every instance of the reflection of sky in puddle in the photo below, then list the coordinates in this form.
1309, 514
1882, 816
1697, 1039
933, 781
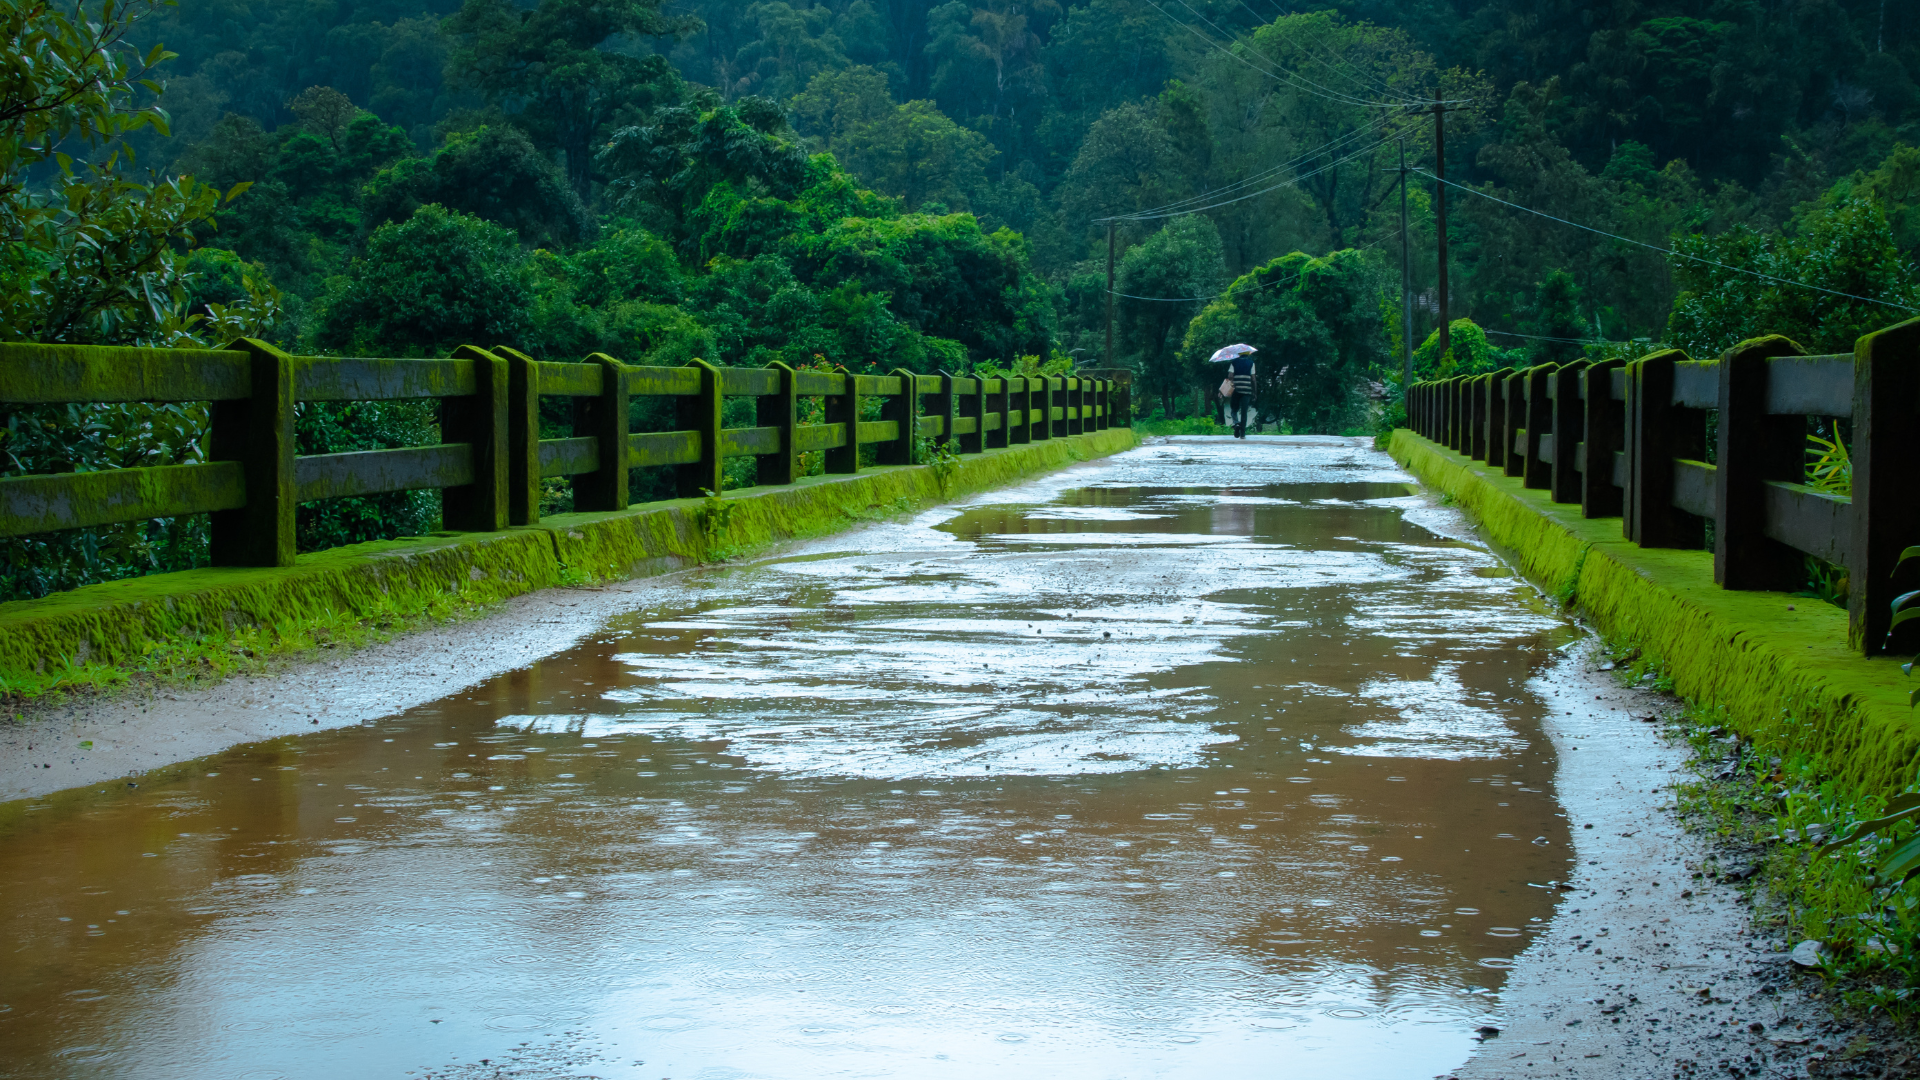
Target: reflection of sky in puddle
1214, 760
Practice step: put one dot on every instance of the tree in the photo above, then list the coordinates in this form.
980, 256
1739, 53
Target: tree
990, 53
494, 173
673, 163
1847, 249
912, 151
1317, 330
91, 257
1177, 267
325, 111
426, 285
550, 64
1127, 163
1559, 324
915, 152
1278, 99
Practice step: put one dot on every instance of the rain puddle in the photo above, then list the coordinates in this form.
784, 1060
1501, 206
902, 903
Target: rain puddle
1208, 760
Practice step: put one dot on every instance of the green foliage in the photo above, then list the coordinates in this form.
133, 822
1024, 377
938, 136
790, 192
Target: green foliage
1182, 264
1313, 322
1185, 425
1470, 353
322, 427
911, 150
1027, 367
1848, 248
90, 258
438, 280
1906, 608
716, 526
1829, 469
548, 62
940, 456
94, 255
494, 173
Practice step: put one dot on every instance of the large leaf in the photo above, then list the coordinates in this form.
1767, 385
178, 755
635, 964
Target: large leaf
1899, 808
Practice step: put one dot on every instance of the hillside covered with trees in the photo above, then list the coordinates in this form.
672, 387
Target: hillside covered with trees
887, 183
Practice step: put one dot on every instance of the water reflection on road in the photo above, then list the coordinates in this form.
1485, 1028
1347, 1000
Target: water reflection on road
1215, 759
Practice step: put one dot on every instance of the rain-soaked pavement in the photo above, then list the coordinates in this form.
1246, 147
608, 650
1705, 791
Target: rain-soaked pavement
1215, 759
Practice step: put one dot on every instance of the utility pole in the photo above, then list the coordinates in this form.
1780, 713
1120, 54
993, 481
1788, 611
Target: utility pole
1440, 216
1406, 282
1110, 362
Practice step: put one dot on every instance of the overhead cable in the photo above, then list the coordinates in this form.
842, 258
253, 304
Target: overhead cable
1254, 194
1667, 251
1230, 290
1568, 340
1363, 80
1325, 91
1283, 76
1177, 205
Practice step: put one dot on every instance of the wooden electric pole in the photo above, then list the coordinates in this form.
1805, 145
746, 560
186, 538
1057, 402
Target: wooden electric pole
1406, 282
1440, 218
1110, 362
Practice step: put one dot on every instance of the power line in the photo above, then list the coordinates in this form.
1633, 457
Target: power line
1230, 291
1178, 206
1667, 251
1282, 76
1327, 91
1255, 194
1354, 73
1568, 340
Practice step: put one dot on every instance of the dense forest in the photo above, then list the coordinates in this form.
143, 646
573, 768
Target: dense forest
886, 183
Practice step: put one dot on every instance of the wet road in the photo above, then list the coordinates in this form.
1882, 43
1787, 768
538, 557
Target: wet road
1214, 759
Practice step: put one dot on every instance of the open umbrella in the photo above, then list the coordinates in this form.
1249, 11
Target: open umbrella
1230, 352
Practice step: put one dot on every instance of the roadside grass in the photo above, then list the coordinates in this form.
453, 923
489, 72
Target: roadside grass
1186, 425
266, 649
245, 650
1768, 809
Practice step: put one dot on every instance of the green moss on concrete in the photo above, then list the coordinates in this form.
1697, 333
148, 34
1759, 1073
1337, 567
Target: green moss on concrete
210, 621
1782, 677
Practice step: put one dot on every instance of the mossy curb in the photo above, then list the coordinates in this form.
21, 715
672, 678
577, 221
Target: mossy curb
96, 635
1784, 678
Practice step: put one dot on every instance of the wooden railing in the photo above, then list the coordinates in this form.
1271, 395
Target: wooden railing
1628, 439
492, 460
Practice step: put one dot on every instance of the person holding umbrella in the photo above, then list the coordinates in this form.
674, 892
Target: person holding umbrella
1237, 387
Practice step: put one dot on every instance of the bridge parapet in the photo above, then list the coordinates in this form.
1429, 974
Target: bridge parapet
1690, 452
491, 462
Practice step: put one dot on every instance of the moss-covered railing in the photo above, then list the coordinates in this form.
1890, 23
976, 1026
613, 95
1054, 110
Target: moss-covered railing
492, 460
1630, 439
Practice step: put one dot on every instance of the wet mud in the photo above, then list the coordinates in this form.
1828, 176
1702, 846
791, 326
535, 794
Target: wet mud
1213, 759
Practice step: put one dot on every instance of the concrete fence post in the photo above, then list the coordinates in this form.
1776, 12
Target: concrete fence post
1535, 473
701, 412
1569, 429
523, 435
481, 421
257, 431
779, 410
993, 402
904, 410
1020, 404
605, 420
1477, 420
1498, 444
1602, 427
844, 408
970, 404
1658, 431
1754, 448
1513, 461
1886, 512
943, 406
